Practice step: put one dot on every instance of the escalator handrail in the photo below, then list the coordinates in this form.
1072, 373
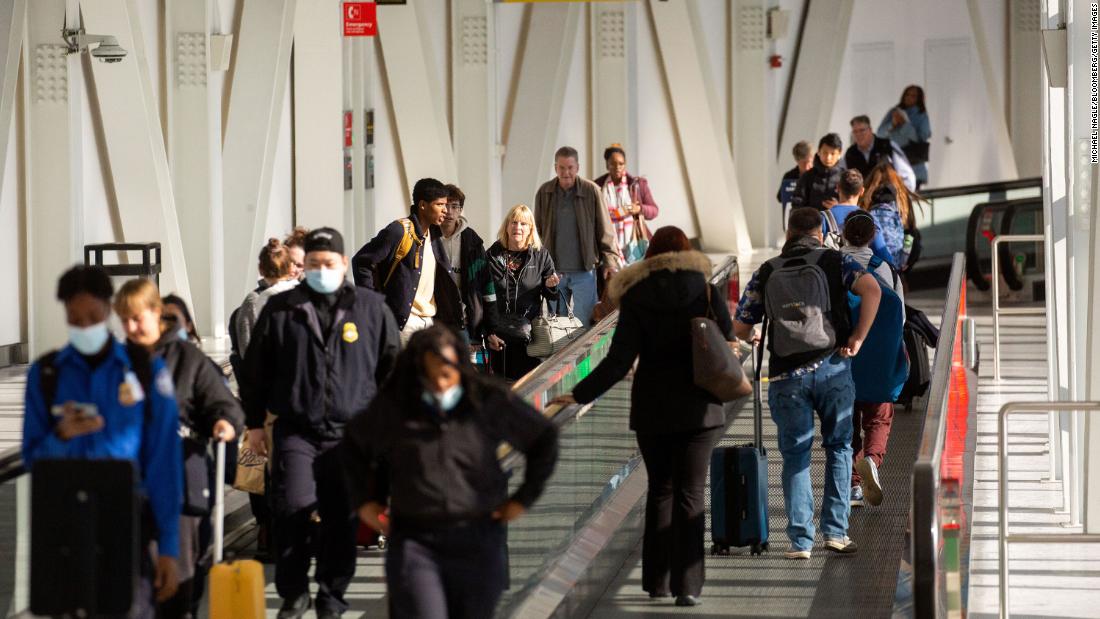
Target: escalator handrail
978, 188
973, 262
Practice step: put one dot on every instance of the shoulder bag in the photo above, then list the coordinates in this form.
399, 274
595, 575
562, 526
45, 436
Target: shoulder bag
550, 333
715, 368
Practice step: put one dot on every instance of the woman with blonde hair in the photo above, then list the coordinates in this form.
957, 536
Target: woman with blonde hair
523, 273
891, 204
207, 411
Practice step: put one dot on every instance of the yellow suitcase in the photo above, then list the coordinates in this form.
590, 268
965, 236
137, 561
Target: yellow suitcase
236, 587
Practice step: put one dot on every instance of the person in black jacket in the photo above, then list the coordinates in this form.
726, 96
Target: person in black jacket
426, 449
207, 411
676, 423
524, 275
418, 288
318, 354
817, 186
469, 268
868, 150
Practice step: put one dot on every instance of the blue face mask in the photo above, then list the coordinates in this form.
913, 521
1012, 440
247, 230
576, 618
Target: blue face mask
325, 281
182, 334
89, 340
445, 401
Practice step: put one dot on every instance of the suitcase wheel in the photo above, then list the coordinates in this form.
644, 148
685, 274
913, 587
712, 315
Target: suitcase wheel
718, 549
381, 542
757, 549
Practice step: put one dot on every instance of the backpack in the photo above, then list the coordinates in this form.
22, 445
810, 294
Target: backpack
834, 238
881, 368
920, 374
798, 304
888, 221
403, 248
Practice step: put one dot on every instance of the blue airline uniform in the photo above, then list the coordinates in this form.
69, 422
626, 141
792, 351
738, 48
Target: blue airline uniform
115, 389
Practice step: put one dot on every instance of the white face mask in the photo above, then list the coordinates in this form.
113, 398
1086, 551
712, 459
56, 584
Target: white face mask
445, 401
89, 340
325, 281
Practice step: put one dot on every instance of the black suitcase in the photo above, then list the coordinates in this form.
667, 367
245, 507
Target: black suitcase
739, 486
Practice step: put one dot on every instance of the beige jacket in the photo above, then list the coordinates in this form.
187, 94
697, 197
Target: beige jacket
597, 236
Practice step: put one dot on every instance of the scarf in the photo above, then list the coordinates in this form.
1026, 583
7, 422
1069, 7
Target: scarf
618, 199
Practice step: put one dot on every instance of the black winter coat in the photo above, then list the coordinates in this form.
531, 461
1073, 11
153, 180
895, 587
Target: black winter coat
658, 297
316, 384
371, 265
201, 392
479, 289
522, 295
817, 185
881, 149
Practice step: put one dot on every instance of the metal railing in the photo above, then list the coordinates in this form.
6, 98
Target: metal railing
938, 488
1003, 536
997, 309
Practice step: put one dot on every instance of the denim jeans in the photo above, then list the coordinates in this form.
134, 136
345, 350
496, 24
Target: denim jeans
582, 286
830, 392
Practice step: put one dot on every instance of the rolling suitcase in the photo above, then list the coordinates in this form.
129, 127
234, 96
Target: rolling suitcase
236, 587
739, 486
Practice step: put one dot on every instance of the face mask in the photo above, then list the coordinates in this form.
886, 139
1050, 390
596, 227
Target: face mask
325, 281
89, 340
445, 401
182, 334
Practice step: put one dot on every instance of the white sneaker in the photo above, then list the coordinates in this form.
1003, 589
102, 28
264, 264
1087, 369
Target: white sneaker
794, 553
868, 474
843, 545
856, 499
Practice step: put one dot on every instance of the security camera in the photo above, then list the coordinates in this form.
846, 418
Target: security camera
106, 47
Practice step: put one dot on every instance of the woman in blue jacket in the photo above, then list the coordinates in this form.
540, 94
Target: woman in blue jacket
907, 125
108, 400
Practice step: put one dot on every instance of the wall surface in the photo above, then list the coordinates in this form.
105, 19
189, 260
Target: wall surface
891, 43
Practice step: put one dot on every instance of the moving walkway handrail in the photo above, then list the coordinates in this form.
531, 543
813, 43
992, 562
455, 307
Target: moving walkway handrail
928, 466
994, 187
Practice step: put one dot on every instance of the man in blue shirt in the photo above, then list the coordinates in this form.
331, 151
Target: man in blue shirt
850, 190
101, 409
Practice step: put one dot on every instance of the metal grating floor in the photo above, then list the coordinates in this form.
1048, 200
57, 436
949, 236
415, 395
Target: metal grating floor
828, 585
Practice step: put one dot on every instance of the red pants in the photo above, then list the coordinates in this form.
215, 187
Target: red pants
871, 430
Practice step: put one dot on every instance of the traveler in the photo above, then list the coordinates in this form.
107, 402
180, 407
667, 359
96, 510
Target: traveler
100, 387
524, 276
803, 161
295, 243
817, 186
571, 215
446, 553
277, 269
871, 421
177, 316
891, 204
207, 411
469, 267
676, 423
811, 341
406, 261
907, 125
317, 355
850, 189
627, 197
867, 150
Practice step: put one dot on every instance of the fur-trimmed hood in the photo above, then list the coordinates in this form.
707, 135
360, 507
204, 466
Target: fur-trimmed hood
671, 263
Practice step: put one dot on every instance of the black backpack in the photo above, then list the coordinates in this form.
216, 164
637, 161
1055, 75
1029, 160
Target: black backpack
918, 335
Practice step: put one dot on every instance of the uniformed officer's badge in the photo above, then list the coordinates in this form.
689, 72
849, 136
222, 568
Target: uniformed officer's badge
126, 395
351, 333
164, 384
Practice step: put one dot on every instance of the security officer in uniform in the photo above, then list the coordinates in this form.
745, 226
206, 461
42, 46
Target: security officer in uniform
317, 355
97, 398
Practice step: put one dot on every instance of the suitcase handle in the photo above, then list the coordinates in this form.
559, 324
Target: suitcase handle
219, 500
757, 405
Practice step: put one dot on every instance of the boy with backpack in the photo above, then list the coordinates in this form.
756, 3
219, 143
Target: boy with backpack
817, 186
880, 373
801, 296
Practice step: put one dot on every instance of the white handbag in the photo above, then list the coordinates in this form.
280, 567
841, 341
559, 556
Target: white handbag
550, 333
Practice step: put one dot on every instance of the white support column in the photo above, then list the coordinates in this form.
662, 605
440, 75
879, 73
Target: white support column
816, 75
474, 109
749, 103
55, 210
1003, 143
194, 154
536, 110
260, 74
707, 158
610, 82
13, 17
416, 93
135, 144
362, 212
1025, 60
318, 113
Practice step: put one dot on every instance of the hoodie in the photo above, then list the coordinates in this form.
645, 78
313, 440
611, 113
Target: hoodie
817, 185
657, 299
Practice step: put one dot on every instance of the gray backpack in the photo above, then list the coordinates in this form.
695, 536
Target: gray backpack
833, 238
798, 304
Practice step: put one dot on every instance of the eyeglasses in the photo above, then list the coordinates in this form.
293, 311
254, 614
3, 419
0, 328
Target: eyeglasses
455, 205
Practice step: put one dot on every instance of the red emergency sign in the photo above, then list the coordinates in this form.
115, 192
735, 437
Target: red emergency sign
360, 19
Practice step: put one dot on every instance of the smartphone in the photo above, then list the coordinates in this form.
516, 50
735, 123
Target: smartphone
86, 410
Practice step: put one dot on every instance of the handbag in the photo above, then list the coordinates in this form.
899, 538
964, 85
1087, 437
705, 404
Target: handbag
250, 471
550, 333
715, 368
513, 327
916, 152
639, 242
196, 478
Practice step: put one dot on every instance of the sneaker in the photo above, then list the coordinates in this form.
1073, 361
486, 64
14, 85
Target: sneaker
688, 600
842, 545
294, 607
868, 473
797, 554
857, 497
